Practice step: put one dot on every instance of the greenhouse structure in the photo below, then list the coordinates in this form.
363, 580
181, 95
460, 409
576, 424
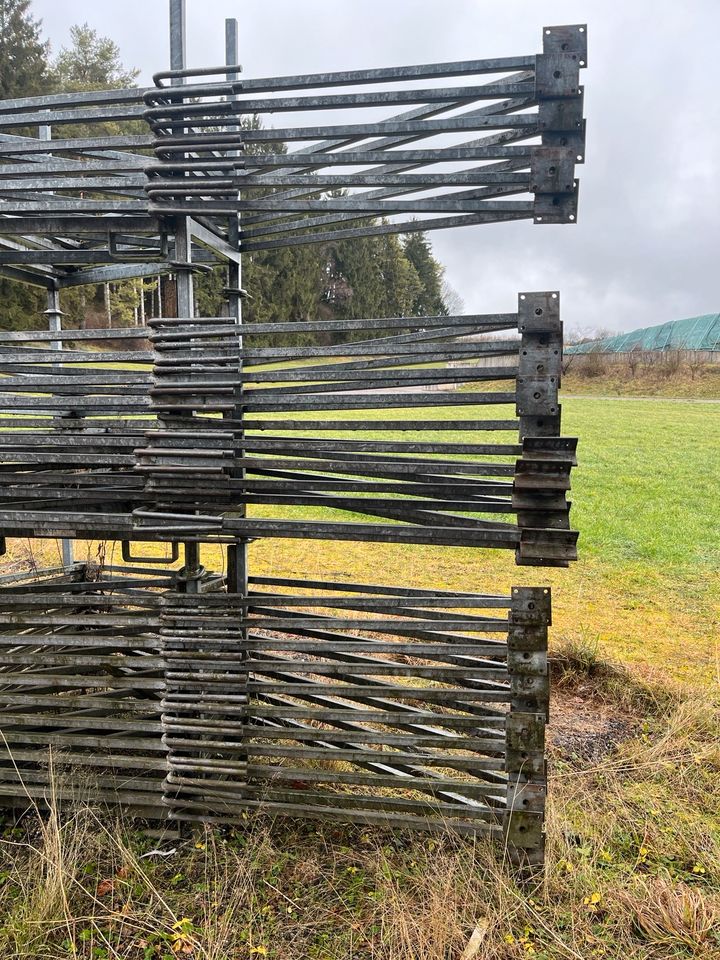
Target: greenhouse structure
697, 334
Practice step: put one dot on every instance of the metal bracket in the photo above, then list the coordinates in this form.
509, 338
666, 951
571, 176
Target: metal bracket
562, 116
557, 75
536, 396
525, 732
545, 547
552, 170
557, 207
539, 312
568, 38
531, 605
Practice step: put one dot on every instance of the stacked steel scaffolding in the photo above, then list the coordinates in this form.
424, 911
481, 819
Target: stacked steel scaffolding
191, 695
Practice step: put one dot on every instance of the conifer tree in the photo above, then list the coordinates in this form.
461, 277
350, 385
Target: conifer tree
23, 73
429, 301
92, 62
23, 55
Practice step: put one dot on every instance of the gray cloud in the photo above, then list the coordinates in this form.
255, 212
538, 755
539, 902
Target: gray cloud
645, 249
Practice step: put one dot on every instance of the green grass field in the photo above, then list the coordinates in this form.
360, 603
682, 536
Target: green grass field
645, 498
633, 863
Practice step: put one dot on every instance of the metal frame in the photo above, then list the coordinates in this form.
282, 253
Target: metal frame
194, 695
166, 468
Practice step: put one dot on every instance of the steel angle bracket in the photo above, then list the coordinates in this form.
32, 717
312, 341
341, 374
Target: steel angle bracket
546, 547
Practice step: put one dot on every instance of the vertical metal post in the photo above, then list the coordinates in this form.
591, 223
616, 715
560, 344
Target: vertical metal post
237, 556
178, 35
183, 248
529, 617
54, 315
237, 553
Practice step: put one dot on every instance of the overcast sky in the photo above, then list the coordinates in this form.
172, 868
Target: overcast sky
645, 248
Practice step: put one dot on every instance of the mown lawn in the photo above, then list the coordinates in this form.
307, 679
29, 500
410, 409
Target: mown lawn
633, 861
646, 499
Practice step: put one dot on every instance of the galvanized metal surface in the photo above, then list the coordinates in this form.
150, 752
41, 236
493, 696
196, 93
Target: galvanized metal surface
190, 695
202, 706
188, 438
66, 201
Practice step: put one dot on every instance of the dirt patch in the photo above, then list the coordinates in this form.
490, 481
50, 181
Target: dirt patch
583, 728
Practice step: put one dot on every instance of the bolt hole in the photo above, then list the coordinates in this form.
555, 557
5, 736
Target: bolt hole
557, 74
571, 217
551, 169
537, 396
554, 296
538, 311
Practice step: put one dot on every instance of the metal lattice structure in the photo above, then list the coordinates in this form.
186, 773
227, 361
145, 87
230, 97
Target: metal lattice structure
190, 695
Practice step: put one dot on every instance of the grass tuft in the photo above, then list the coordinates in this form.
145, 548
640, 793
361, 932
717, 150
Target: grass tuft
673, 915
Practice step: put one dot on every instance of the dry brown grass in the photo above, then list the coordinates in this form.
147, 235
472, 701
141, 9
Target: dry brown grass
673, 915
672, 375
633, 872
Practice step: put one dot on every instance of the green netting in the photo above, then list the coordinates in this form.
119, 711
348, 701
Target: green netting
695, 333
